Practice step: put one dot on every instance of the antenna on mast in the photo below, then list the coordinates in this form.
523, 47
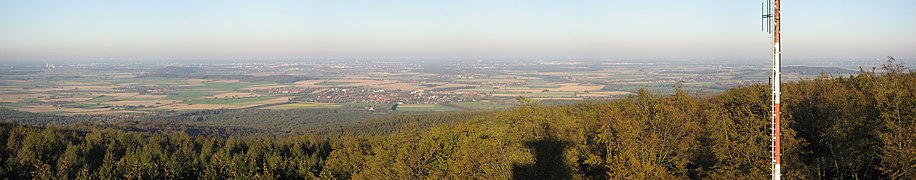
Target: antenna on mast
771, 21
765, 23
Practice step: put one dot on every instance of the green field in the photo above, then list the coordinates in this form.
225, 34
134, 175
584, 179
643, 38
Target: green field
541, 84
303, 106
424, 107
229, 100
13, 105
84, 105
191, 94
228, 86
154, 81
29, 100
482, 105
755, 76
669, 90
360, 105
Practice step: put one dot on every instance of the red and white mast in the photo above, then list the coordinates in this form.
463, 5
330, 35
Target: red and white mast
775, 82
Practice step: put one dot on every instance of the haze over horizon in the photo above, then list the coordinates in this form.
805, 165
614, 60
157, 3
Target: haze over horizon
86, 30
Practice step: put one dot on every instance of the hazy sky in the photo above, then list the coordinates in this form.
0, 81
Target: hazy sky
164, 29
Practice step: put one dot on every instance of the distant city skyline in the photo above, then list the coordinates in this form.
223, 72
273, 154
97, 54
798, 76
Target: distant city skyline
714, 29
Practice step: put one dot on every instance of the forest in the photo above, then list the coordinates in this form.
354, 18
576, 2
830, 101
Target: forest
861, 126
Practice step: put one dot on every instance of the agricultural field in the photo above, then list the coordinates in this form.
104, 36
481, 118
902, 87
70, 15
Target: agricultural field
424, 107
302, 106
117, 89
482, 105
131, 95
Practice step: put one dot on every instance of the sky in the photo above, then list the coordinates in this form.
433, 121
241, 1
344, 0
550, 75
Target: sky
468, 29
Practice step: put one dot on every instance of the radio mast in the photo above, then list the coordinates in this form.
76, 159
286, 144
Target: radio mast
772, 14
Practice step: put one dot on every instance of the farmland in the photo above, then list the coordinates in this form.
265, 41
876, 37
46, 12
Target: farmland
117, 89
